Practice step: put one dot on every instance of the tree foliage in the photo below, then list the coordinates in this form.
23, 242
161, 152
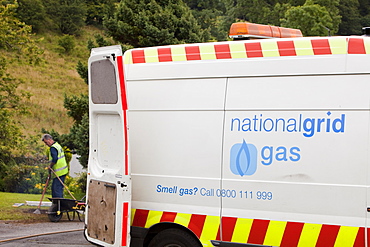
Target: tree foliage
12, 101
68, 15
213, 16
313, 19
67, 43
149, 22
351, 18
78, 138
97, 9
79, 135
32, 12
14, 36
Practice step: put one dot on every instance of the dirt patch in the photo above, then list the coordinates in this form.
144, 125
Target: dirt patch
31, 217
31, 210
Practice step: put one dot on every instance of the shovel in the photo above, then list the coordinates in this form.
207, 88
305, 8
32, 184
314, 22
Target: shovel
37, 211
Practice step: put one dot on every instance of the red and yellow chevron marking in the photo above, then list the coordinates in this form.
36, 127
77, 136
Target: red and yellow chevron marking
251, 49
255, 231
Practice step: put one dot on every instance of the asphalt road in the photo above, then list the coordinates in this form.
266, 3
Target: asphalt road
12, 230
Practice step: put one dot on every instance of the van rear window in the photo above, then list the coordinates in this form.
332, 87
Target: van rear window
103, 82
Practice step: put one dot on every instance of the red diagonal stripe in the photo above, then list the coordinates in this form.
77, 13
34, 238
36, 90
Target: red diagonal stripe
253, 49
356, 46
327, 236
286, 48
138, 56
292, 234
192, 53
228, 226
258, 231
196, 224
360, 238
140, 217
168, 217
222, 51
164, 55
321, 47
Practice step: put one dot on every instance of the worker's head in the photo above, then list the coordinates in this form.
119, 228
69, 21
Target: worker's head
47, 139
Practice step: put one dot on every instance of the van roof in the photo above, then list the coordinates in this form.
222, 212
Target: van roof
251, 49
259, 51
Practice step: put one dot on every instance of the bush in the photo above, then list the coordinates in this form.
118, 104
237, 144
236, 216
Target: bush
77, 186
25, 175
67, 42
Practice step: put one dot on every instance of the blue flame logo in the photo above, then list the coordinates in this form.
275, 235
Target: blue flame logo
243, 159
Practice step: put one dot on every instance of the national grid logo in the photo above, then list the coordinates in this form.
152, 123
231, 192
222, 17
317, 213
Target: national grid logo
243, 157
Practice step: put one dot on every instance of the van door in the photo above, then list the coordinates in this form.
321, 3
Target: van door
108, 183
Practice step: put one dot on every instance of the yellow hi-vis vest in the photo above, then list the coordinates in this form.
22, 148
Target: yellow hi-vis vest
61, 167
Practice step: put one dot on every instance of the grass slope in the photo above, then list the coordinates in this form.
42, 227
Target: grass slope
51, 80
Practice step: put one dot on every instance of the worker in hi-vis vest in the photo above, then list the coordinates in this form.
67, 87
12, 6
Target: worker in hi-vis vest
58, 163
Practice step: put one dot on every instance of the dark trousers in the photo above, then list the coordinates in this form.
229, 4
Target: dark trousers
57, 187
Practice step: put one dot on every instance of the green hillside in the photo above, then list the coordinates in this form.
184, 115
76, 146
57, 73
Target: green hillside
51, 80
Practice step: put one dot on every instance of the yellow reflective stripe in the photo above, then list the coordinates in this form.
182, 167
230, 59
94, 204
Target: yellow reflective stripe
338, 45
346, 236
182, 219
242, 230
275, 232
303, 47
237, 50
178, 53
207, 52
270, 49
128, 57
310, 234
210, 229
154, 217
151, 55
133, 211
367, 45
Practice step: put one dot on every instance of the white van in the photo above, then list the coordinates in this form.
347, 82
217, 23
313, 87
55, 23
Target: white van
241, 143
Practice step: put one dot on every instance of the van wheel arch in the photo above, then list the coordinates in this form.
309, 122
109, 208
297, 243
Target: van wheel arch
161, 227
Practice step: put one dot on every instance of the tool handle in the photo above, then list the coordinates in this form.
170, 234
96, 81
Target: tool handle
63, 183
43, 192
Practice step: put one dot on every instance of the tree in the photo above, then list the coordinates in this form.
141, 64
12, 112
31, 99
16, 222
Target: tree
212, 16
332, 6
67, 43
32, 12
78, 138
11, 102
277, 14
351, 18
253, 11
149, 22
312, 19
15, 37
68, 15
97, 9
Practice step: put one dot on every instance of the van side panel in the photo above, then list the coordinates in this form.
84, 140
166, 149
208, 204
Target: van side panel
176, 131
296, 152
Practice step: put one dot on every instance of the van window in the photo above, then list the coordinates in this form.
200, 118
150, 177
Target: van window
103, 82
